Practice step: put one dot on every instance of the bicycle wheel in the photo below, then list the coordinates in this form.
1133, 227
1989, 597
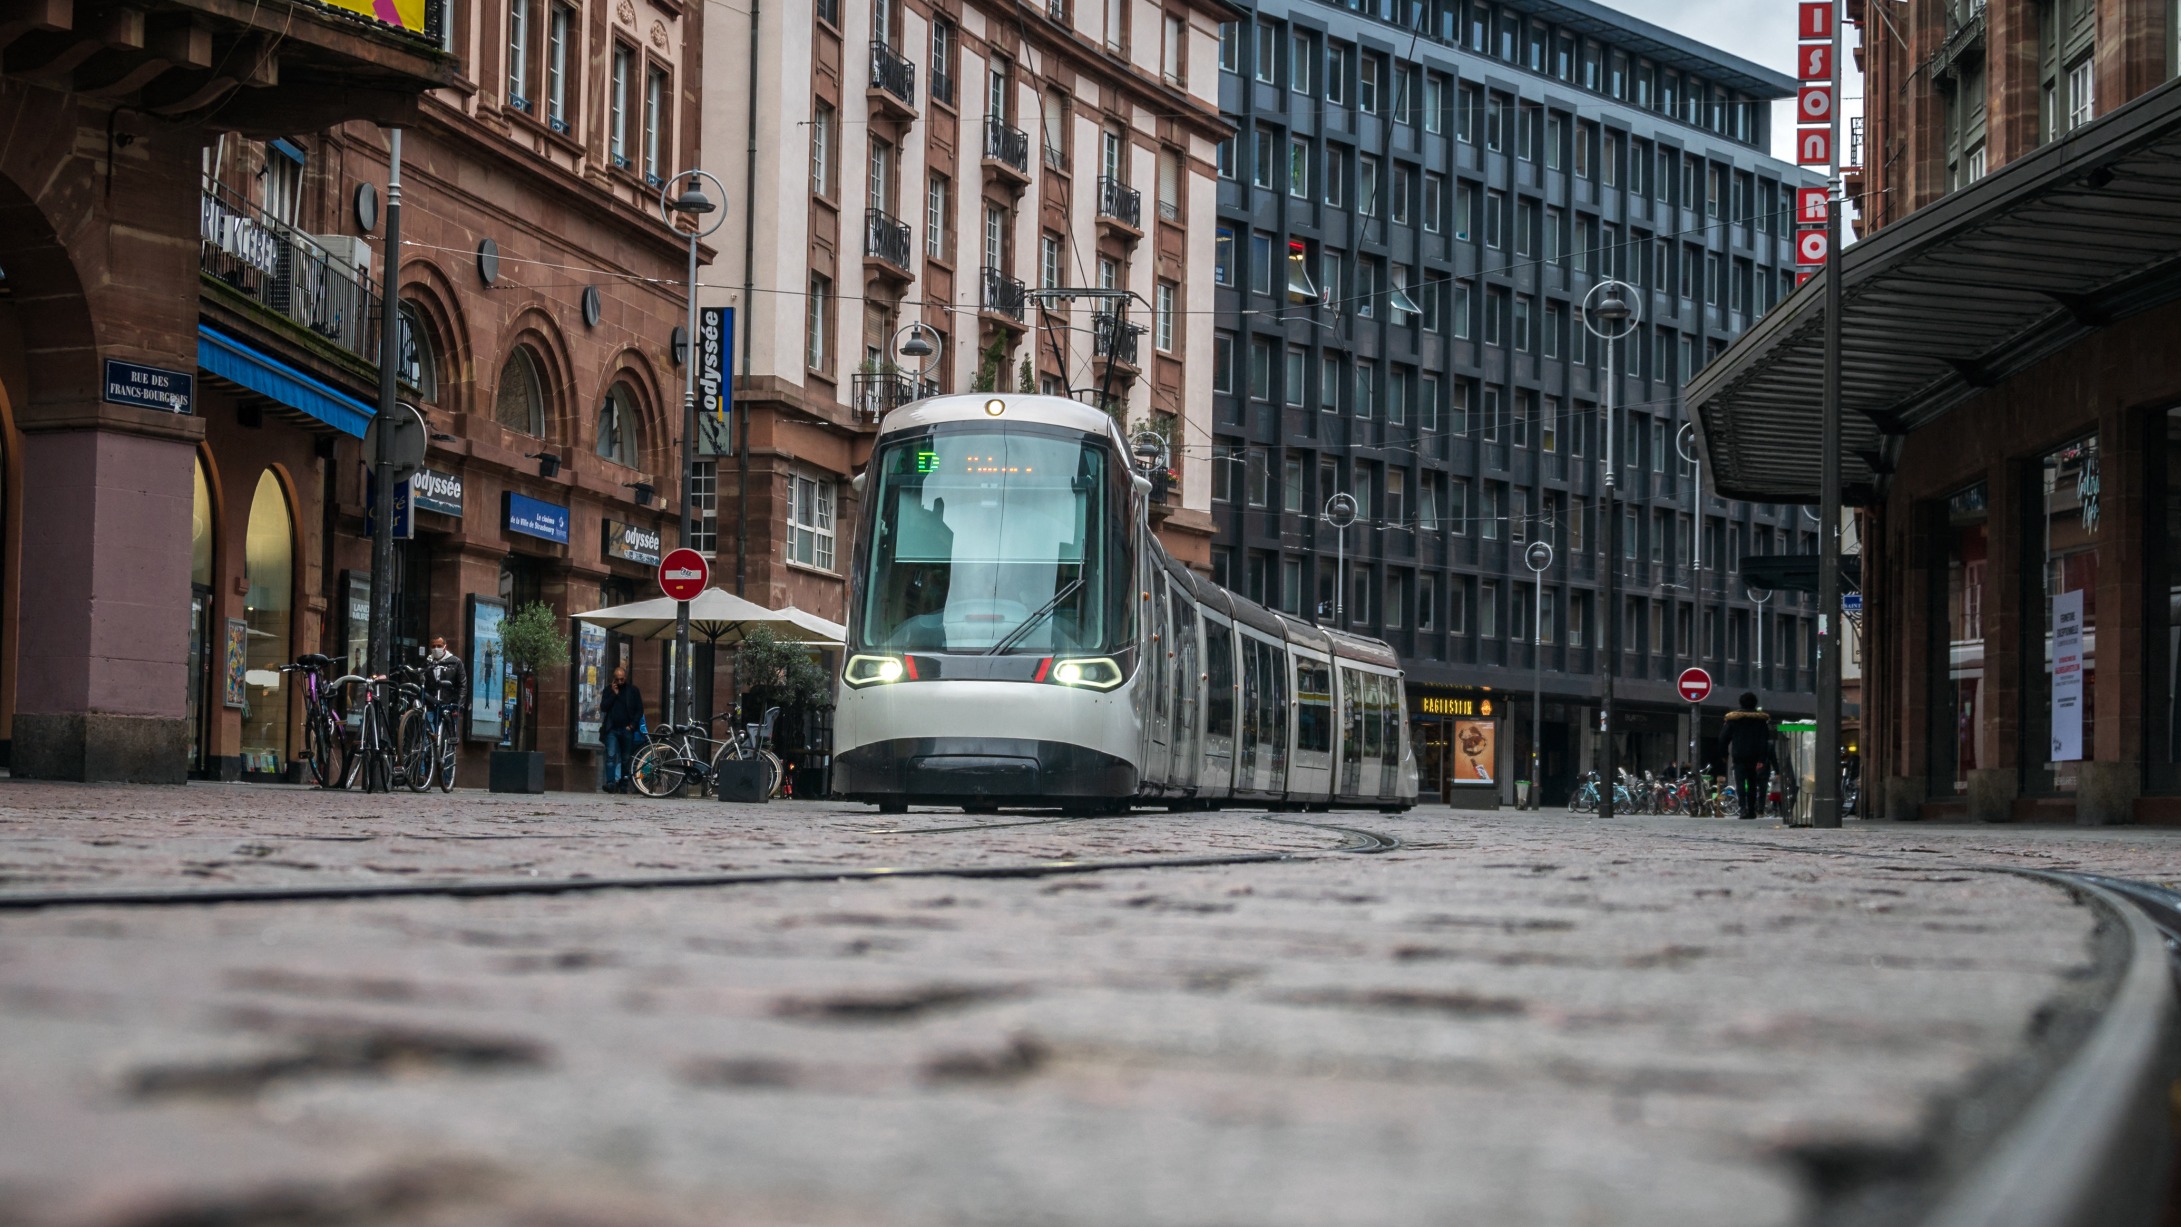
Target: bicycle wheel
378, 757
658, 771
446, 747
417, 759
326, 751
776, 772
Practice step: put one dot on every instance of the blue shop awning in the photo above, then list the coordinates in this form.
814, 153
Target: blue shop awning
238, 362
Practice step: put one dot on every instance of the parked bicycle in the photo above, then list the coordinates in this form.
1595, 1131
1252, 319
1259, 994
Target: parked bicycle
325, 732
675, 755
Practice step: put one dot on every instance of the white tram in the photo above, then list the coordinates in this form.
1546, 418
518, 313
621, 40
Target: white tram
1018, 636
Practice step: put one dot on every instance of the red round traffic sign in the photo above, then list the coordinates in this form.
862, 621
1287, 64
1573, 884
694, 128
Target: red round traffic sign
682, 574
1695, 685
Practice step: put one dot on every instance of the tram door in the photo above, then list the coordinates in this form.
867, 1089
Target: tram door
1182, 626
1157, 678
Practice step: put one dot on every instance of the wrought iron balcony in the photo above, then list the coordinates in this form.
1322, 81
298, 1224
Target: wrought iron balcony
942, 87
1114, 339
1003, 295
290, 273
1007, 145
886, 238
1120, 202
874, 394
893, 74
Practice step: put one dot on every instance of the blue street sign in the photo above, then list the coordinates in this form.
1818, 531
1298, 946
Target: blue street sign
404, 522
1851, 602
149, 387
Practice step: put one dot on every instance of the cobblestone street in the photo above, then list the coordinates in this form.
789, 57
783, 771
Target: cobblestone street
1508, 1019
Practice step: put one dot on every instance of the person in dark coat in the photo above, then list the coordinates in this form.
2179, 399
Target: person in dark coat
622, 714
1747, 743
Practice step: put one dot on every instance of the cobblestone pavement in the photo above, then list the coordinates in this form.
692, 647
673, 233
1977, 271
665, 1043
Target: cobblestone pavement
1510, 1019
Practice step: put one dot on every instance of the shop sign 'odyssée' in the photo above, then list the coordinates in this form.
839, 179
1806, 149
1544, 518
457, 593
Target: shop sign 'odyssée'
632, 543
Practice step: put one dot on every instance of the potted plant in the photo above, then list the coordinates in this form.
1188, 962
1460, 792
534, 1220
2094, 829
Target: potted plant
770, 672
531, 641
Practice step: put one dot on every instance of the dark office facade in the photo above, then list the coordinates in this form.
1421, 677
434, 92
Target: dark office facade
1410, 216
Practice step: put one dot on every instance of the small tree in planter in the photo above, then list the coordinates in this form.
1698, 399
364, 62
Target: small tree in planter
531, 641
773, 673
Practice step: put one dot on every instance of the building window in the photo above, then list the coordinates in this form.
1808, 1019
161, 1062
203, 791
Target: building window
1457, 507
559, 33
617, 419
1260, 263
1295, 383
1336, 74
935, 217
655, 100
1162, 316
1298, 168
821, 148
1223, 362
818, 324
418, 361
1261, 360
617, 105
1048, 261
1226, 158
1488, 610
1267, 66
1367, 84
520, 15
1230, 46
1261, 171
519, 401
704, 507
1302, 60
1223, 257
2081, 100
810, 522
1330, 382
1173, 53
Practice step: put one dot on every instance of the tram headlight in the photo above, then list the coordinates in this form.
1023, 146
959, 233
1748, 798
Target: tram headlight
872, 670
1092, 673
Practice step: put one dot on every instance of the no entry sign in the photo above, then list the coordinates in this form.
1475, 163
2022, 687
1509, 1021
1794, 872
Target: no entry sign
682, 574
1695, 685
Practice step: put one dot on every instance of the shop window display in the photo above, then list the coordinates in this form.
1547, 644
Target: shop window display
2061, 673
269, 568
1961, 742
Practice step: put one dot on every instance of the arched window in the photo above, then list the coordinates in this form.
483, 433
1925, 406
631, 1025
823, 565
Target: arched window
520, 404
200, 611
269, 567
618, 439
419, 361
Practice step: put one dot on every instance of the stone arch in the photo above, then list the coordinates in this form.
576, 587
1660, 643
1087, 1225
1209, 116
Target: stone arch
427, 288
534, 328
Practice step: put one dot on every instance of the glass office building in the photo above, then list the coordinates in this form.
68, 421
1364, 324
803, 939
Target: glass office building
1416, 200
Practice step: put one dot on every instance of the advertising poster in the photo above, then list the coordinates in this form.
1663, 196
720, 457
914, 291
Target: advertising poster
590, 687
357, 627
1476, 751
2067, 677
235, 663
489, 680
400, 14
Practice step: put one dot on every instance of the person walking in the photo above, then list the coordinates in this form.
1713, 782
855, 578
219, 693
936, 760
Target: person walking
1747, 743
622, 714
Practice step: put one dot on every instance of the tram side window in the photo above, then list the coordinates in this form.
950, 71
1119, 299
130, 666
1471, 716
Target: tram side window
1313, 707
1219, 687
1276, 705
1369, 704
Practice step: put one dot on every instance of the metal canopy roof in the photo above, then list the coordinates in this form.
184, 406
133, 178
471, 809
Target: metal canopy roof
1951, 300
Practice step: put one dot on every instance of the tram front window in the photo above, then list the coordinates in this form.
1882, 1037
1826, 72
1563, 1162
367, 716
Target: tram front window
993, 538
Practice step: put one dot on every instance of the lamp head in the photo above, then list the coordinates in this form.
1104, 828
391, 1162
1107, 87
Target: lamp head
916, 346
1612, 309
693, 202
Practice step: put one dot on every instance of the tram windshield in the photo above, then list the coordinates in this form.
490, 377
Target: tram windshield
994, 537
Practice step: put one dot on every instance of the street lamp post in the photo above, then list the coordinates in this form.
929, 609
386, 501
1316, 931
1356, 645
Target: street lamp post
1610, 313
1763, 665
1340, 512
690, 205
1685, 443
1538, 557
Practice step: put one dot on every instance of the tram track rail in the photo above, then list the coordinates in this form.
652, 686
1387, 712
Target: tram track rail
1359, 841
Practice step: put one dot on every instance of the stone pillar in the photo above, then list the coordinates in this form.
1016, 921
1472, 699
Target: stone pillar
101, 691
